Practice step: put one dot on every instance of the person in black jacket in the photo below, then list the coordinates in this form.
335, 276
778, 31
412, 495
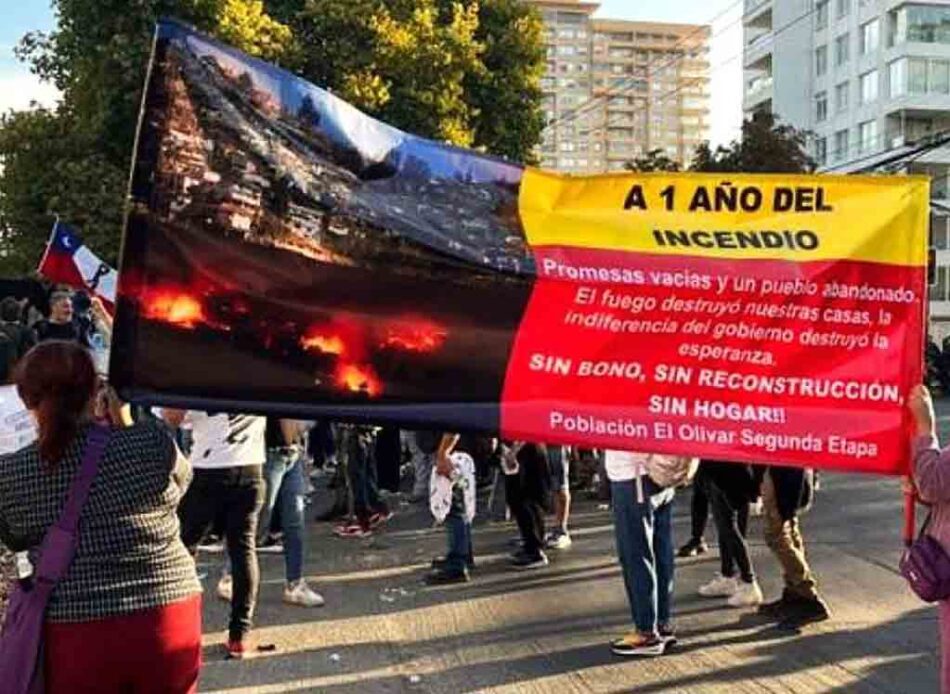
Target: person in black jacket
786, 492
730, 488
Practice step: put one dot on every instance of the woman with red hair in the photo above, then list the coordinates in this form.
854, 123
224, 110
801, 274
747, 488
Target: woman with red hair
127, 614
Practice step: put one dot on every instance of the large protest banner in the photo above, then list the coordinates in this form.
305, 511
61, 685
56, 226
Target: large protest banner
285, 253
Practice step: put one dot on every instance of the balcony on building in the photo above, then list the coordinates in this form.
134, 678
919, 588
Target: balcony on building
758, 84
758, 13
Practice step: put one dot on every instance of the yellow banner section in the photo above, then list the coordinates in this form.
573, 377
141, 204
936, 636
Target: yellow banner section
780, 217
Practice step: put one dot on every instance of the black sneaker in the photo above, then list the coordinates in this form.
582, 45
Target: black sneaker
272, 544
529, 560
778, 609
640, 645
442, 576
693, 548
440, 563
805, 612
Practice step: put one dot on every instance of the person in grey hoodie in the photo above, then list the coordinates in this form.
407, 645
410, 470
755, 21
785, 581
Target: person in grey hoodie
931, 476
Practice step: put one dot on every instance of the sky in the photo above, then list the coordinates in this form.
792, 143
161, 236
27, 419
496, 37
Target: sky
18, 87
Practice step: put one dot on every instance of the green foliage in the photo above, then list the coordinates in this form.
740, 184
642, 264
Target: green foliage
764, 147
464, 71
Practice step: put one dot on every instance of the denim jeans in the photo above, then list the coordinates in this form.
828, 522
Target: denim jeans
237, 493
459, 534
284, 478
645, 547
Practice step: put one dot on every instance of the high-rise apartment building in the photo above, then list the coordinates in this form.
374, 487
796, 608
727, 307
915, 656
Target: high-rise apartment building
616, 89
867, 78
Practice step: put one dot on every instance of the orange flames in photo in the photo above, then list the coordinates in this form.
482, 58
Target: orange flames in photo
323, 343
359, 378
415, 336
173, 306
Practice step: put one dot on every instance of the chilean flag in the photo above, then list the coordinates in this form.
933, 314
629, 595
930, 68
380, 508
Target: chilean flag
68, 261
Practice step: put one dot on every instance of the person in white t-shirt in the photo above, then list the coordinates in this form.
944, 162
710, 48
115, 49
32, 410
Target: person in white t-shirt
227, 456
643, 525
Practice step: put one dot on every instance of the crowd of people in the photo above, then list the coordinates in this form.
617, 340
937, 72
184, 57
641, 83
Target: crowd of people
127, 613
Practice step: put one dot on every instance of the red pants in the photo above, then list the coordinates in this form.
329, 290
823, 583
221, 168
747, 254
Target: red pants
151, 651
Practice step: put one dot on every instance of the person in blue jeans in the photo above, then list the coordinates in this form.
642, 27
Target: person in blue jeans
643, 524
454, 567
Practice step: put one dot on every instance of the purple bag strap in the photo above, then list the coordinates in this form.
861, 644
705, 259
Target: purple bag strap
96, 443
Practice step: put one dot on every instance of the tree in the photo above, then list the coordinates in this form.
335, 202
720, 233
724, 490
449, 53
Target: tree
74, 160
654, 160
764, 147
463, 71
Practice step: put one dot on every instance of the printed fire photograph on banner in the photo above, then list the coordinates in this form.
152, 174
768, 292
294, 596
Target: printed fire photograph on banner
319, 269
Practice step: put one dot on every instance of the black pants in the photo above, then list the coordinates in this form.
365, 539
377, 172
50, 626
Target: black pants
528, 512
699, 510
238, 494
731, 525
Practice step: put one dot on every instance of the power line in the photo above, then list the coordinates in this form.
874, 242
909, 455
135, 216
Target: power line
590, 102
689, 83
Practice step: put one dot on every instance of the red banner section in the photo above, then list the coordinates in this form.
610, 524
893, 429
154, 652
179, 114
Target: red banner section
751, 360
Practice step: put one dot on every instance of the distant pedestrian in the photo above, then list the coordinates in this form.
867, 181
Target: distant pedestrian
227, 455
931, 475
460, 498
527, 492
61, 324
559, 465
644, 532
786, 492
126, 617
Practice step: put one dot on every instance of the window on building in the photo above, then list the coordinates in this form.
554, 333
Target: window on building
821, 151
821, 14
869, 83
939, 79
897, 78
565, 50
919, 23
938, 291
867, 136
821, 60
842, 49
841, 144
566, 34
841, 97
870, 37
916, 76
821, 106
842, 8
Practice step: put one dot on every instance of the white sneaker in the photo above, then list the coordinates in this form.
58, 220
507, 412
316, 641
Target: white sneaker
720, 587
300, 593
746, 595
558, 540
225, 587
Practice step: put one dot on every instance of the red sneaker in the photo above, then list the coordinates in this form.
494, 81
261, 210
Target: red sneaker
236, 650
352, 530
379, 518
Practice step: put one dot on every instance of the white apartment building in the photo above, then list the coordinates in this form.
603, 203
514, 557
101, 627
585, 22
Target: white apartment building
867, 78
615, 89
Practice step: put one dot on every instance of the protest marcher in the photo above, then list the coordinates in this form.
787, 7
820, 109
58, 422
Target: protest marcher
227, 456
369, 510
127, 614
643, 513
527, 492
286, 490
699, 515
931, 478
11, 325
730, 488
422, 446
559, 467
458, 508
60, 324
785, 493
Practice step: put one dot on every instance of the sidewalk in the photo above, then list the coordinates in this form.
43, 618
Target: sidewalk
383, 631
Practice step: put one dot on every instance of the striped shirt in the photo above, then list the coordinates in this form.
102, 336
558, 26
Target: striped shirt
130, 556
